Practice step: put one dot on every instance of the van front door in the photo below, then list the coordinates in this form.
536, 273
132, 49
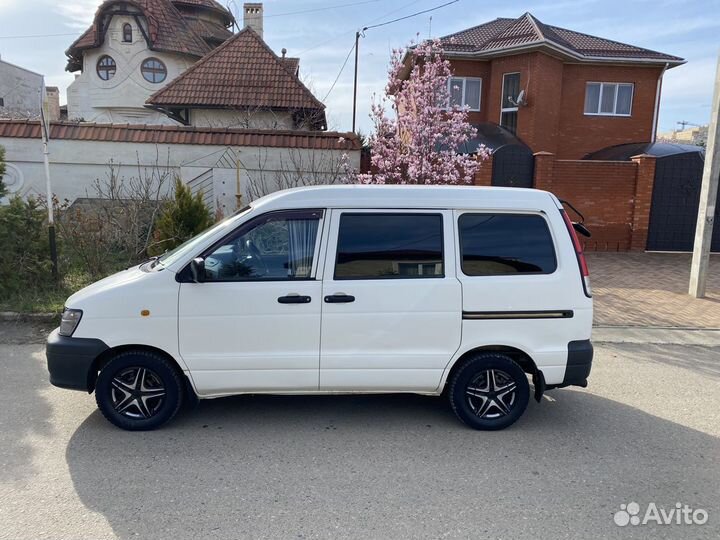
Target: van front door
392, 306
254, 324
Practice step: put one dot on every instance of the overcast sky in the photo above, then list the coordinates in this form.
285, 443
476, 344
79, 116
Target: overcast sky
323, 38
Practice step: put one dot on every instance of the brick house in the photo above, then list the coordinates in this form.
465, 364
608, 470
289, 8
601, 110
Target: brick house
580, 93
551, 104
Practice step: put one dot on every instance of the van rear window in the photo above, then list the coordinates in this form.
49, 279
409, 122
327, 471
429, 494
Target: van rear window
499, 244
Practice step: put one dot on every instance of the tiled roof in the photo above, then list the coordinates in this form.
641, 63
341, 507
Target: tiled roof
207, 4
213, 33
168, 30
292, 64
503, 35
318, 140
243, 72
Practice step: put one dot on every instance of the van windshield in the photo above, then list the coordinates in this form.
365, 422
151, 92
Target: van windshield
186, 248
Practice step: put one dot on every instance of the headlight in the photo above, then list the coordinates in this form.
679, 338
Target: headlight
69, 322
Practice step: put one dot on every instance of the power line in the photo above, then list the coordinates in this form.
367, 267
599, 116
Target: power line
409, 16
321, 9
340, 72
360, 33
350, 30
314, 10
39, 36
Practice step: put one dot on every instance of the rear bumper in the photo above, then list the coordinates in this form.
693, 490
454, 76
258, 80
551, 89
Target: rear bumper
579, 363
69, 360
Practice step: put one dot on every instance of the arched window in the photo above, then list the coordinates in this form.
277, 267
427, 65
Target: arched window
127, 33
153, 70
106, 68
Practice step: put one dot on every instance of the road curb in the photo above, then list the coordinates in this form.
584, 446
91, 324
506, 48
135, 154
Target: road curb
659, 335
12, 316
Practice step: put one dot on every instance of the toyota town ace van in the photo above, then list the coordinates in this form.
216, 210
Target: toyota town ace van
470, 293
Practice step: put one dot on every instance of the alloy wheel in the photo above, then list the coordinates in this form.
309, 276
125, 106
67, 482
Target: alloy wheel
137, 393
491, 393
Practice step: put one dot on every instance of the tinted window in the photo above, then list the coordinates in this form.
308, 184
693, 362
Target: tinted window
274, 247
378, 246
497, 244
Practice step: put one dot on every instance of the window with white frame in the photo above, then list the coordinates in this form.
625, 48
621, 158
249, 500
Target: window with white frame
465, 91
509, 103
608, 99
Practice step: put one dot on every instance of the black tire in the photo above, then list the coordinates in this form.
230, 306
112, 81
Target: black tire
139, 390
489, 392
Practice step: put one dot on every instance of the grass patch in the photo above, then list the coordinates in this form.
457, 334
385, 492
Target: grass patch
47, 298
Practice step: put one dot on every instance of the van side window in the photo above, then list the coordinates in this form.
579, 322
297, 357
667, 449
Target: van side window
387, 246
499, 244
275, 247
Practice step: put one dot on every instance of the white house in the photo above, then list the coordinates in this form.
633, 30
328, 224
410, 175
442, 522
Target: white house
134, 48
171, 62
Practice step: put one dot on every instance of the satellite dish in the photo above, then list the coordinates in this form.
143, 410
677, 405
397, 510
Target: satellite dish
520, 100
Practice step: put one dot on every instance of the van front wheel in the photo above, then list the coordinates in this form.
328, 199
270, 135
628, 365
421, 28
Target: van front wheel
489, 392
138, 390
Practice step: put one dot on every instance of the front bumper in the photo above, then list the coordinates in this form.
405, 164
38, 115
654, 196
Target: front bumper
70, 359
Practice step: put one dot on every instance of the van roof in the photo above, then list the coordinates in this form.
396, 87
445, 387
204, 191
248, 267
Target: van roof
405, 196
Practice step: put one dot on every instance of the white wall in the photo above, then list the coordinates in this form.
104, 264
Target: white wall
76, 165
121, 99
20, 89
222, 118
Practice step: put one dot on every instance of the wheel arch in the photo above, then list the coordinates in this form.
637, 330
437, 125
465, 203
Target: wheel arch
523, 359
102, 360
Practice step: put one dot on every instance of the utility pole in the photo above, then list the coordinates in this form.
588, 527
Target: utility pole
708, 199
238, 187
355, 84
45, 131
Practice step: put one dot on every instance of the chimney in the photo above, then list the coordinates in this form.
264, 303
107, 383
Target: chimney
53, 97
253, 17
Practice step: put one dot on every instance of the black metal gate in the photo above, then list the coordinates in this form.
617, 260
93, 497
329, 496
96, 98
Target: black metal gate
675, 203
513, 166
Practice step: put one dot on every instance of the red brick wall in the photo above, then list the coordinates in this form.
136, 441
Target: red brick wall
470, 68
604, 191
581, 134
644, 184
545, 93
483, 176
554, 119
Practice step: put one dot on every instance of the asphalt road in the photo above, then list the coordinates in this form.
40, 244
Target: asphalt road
646, 430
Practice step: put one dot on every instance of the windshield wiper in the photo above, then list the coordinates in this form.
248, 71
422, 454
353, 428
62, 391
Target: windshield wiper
152, 260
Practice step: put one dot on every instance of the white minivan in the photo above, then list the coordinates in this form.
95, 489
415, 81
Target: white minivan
436, 290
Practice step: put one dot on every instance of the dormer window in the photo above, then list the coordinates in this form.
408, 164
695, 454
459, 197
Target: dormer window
127, 33
106, 68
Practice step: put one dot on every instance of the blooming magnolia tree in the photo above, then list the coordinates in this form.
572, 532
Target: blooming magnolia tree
419, 144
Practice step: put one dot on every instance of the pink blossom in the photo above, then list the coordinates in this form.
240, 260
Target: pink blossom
419, 144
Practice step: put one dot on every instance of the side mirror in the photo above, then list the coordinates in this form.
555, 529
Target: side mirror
197, 268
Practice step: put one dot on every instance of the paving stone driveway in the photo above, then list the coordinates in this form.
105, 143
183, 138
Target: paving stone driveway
650, 289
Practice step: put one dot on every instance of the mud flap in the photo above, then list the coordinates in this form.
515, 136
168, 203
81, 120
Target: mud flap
539, 384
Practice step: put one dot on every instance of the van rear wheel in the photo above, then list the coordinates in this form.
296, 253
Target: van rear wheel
489, 392
139, 390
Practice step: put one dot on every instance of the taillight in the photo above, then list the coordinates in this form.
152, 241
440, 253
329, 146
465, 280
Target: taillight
582, 263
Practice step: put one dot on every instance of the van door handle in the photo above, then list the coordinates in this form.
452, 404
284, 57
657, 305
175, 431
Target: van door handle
294, 299
339, 299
